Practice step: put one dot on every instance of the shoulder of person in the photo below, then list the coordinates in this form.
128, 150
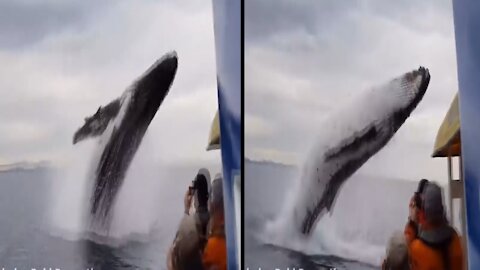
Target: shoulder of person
417, 246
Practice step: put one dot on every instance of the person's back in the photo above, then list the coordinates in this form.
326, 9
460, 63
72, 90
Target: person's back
186, 250
185, 253
397, 253
433, 256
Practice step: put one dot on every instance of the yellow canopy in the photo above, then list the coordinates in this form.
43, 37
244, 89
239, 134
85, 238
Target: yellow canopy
214, 138
448, 136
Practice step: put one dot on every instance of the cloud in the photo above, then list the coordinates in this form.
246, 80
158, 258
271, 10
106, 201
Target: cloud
303, 59
61, 60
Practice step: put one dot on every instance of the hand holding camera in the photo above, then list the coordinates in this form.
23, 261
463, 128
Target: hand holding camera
188, 197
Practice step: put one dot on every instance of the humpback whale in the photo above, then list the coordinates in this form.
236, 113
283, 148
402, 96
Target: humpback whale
121, 125
355, 133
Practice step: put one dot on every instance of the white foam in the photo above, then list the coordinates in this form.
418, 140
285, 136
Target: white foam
70, 191
360, 226
74, 183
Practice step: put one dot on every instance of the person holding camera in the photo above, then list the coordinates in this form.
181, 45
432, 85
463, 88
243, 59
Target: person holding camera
432, 242
187, 248
199, 193
411, 230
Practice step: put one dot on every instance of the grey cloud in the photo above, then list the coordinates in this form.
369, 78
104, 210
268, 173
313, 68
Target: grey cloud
304, 59
53, 82
23, 23
267, 18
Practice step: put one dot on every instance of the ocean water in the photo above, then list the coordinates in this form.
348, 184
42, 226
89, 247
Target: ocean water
367, 211
31, 239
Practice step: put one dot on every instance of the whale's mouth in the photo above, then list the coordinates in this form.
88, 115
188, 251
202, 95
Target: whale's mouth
347, 156
415, 86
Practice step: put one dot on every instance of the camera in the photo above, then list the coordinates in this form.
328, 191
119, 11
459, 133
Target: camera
193, 187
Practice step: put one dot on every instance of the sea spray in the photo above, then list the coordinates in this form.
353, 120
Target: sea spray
356, 131
369, 209
70, 190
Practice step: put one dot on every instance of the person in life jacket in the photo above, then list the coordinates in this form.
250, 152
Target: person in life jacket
215, 252
432, 243
187, 247
411, 231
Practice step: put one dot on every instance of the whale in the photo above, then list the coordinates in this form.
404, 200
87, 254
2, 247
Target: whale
120, 127
349, 138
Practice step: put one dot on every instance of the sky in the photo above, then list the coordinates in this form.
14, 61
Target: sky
302, 58
61, 60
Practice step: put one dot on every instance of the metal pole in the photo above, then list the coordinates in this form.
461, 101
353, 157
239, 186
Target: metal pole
463, 214
450, 186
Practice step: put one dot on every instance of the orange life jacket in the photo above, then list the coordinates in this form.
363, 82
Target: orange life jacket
215, 252
428, 253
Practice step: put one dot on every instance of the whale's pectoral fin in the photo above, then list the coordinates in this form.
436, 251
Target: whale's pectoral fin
96, 124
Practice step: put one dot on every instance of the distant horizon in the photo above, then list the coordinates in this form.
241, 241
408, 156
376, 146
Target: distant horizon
212, 166
361, 173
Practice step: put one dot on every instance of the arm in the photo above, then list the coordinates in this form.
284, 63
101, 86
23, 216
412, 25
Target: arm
188, 201
411, 229
410, 232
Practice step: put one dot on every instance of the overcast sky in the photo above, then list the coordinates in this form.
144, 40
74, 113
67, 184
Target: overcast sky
304, 57
61, 60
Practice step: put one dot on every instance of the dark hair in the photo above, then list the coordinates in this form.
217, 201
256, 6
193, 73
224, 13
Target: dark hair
421, 187
201, 187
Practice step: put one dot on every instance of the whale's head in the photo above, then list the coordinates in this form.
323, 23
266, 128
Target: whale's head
412, 88
153, 86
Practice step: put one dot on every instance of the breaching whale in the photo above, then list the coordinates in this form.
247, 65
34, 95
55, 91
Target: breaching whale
351, 137
121, 126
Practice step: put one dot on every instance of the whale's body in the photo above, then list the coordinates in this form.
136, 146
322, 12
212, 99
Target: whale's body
353, 136
121, 126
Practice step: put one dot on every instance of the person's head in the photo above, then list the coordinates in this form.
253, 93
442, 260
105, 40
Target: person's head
432, 208
201, 185
216, 197
416, 201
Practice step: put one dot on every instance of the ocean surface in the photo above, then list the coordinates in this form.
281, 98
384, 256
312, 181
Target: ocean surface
367, 211
32, 236
36, 230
